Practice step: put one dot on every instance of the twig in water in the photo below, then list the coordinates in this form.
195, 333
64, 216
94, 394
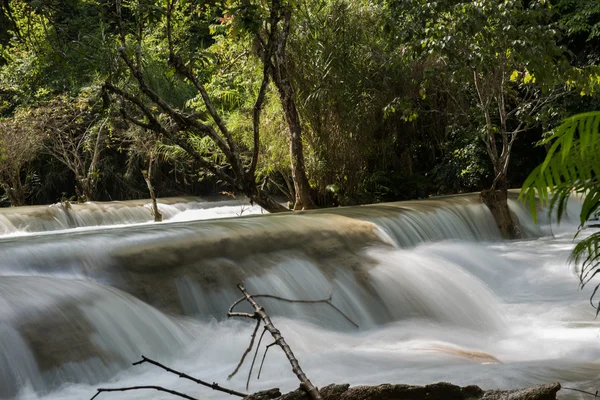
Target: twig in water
213, 386
263, 359
254, 359
159, 388
248, 350
582, 391
269, 296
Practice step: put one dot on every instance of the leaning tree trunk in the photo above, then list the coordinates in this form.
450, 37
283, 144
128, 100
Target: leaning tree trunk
259, 196
148, 178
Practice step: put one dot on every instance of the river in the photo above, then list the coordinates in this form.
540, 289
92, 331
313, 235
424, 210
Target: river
437, 295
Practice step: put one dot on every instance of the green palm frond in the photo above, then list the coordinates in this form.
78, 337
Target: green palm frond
172, 153
572, 167
202, 145
587, 255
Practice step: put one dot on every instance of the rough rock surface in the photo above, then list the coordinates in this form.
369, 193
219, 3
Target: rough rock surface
437, 391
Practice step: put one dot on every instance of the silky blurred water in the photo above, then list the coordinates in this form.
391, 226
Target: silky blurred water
440, 298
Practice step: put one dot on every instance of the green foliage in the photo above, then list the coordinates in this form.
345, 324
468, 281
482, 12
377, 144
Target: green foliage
346, 71
572, 168
580, 17
479, 34
499, 61
385, 90
18, 148
464, 167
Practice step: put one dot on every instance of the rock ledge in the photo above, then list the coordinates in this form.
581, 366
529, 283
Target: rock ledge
436, 391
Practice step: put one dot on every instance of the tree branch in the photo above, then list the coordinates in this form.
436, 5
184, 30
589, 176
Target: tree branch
248, 350
159, 388
263, 359
181, 120
156, 126
120, 23
232, 152
305, 383
254, 359
213, 386
266, 58
270, 296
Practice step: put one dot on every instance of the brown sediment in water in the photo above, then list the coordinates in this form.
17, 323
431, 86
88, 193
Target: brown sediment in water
479, 357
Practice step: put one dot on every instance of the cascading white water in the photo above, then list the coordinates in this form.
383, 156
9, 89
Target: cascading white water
86, 332
59, 217
437, 294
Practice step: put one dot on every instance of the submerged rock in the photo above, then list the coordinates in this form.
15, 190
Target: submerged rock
436, 391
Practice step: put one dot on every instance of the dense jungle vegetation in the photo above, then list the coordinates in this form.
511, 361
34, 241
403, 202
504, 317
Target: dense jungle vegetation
324, 102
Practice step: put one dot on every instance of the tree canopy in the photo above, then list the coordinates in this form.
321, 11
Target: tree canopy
322, 102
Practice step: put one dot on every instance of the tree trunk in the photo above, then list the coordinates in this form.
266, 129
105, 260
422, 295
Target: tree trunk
303, 198
281, 78
496, 199
86, 190
258, 196
148, 178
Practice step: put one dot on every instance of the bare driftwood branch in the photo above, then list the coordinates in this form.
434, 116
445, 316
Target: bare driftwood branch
254, 359
159, 388
213, 386
583, 391
259, 313
248, 350
263, 359
269, 296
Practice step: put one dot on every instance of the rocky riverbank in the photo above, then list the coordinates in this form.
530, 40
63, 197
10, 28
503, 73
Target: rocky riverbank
437, 391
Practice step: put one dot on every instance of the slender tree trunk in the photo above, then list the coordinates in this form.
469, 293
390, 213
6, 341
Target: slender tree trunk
148, 178
16, 200
92, 174
303, 198
281, 78
496, 198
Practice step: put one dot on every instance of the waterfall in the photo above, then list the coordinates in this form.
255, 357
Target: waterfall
55, 331
435, 291
65, 216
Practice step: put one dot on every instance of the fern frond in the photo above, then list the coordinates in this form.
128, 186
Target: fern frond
172, 153
572, 166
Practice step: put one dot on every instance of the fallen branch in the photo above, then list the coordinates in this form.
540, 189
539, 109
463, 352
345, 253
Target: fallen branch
213, 386
254, 359
583, 391
159, 388
263, 359
260, 314
248, 350
269, 296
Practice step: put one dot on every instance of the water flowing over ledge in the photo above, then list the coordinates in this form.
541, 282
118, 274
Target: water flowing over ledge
65, 216
437, 295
